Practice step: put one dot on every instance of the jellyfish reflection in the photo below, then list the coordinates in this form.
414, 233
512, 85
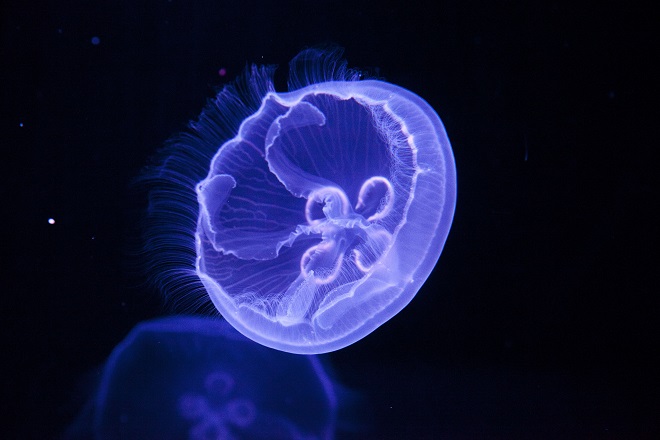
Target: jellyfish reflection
197, 378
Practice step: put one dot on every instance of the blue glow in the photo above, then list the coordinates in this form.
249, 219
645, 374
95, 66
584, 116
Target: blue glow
197, 378
317, 214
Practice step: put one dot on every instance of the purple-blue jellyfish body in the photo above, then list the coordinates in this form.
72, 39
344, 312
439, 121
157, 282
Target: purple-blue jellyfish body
323, 212
199, 379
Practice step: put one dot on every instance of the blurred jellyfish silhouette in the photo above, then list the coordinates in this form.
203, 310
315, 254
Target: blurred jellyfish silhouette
311, 217
199, 379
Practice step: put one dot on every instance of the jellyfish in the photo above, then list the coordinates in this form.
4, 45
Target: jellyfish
310, 217
196, 378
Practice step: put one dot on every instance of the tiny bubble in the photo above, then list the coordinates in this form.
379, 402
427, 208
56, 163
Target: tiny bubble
51, 221
222, 71
96, 41
20, 124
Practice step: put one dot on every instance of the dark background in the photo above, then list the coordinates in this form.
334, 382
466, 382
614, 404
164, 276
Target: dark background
540, 319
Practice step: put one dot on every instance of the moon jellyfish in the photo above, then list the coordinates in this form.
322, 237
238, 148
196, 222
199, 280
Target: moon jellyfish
199, 379
320, 212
